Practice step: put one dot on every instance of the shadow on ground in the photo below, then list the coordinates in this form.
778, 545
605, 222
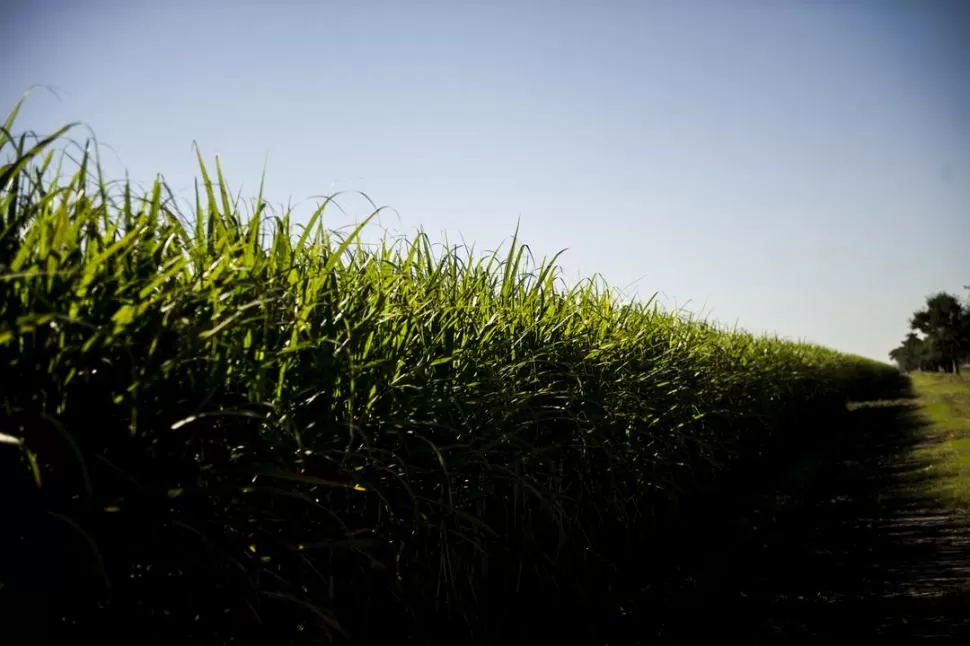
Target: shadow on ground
842, 544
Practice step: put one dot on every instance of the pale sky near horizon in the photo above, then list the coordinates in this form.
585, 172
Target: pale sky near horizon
798, 168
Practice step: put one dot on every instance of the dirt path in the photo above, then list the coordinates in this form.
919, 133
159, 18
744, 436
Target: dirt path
844, 545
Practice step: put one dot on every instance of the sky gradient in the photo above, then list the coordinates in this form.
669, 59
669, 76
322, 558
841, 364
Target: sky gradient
798, 168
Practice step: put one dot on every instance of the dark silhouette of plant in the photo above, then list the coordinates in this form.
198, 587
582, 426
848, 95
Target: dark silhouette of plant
945, 322
909, 355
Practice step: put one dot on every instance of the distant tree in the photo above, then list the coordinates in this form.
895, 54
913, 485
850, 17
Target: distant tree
909, 355
932, 358
945, 324
965, 333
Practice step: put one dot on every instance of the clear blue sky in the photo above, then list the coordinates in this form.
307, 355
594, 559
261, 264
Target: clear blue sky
801, 168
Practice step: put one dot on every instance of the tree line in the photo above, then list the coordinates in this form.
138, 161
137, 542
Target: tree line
939, 339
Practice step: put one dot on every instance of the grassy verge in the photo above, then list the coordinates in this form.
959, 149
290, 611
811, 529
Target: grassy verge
945, 401
222, 427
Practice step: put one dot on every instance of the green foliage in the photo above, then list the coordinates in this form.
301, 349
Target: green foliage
223, 428
945, 345
911, 354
